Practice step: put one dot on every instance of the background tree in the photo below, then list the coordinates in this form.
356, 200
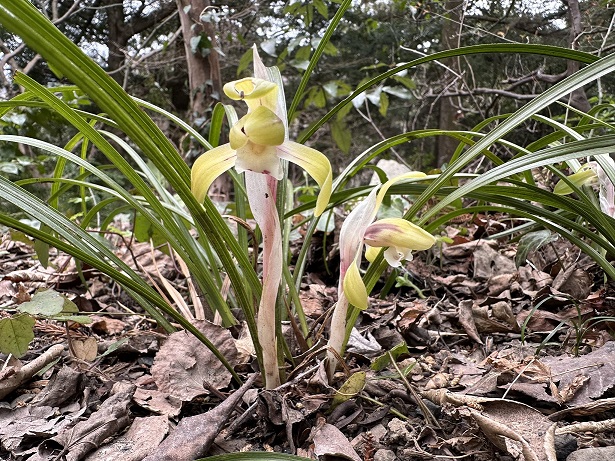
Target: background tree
176, 54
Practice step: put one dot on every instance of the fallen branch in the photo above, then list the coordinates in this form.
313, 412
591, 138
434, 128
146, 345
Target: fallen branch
26, 372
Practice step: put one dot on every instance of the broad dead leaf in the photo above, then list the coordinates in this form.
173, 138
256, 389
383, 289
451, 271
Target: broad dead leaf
183, 363
329, 441
107, 325
85, 350
158, 402
511, 426
143, 437
597, 366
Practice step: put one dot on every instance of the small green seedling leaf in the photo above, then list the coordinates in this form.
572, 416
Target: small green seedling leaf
114, 346
15, 334
48, 303
82, 319
384, 360
349, 389
532, 241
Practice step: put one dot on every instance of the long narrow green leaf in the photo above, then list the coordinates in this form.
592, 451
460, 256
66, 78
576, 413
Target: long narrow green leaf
316, 57
572, 150
544, 50
21, 18
175, 233
583, 77
86, 248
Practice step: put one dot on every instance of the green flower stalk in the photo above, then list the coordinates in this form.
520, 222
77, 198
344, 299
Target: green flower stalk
258, 143
400, 236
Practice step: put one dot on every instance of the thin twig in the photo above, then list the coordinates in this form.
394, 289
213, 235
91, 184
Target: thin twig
415, 395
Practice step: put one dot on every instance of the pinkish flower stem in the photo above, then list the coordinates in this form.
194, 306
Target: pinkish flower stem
261, 191
338, 333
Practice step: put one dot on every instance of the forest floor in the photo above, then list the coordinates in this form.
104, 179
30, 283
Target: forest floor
486, 361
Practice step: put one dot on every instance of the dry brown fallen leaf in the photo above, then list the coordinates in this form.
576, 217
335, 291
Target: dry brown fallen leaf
511, 426
158, 402
488, 262
184, 364
22, 423
588, 409
597, 365
330, 441
86, 349
74, 443
466, 319
107, 325
63, 388
194, 435
143, 437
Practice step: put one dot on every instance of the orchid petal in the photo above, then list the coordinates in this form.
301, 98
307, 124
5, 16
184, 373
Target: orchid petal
208, 167
397, 232
371, 253
271, 74
394, 256
259, 159
254, 91
582, 177
264, 127
237, 136
354, 288
316, 165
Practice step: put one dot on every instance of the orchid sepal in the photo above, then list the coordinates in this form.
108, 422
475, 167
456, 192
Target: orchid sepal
354, 288
584, 176
315, 164
398, 233
208, 167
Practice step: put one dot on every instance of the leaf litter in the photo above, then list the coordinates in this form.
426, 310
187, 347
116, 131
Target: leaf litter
507, 360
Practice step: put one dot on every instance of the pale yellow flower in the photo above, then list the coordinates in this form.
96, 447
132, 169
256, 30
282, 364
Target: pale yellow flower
258, 143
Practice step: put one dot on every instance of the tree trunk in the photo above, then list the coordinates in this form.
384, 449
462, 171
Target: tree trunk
578, 98
117, 39
445, 145
201, 56
122, 28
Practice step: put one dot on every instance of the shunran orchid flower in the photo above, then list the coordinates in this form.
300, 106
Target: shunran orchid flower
589, 174
258, 143
359, 230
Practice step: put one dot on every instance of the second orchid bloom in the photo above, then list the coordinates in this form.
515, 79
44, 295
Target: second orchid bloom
359, 229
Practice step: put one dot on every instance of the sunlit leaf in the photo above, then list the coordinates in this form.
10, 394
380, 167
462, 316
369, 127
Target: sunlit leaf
349, 389
47, 303
15, 334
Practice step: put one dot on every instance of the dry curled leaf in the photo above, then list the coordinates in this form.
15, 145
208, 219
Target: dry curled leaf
597, 366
